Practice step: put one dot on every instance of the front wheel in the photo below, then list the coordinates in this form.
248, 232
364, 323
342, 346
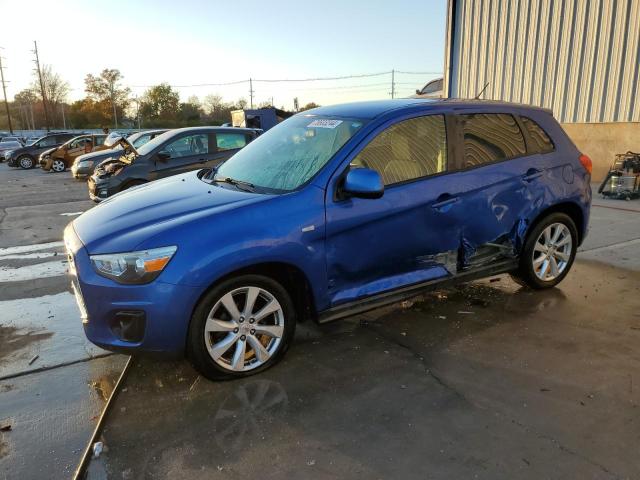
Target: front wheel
242, 326
58, 166
548, 252
26, 162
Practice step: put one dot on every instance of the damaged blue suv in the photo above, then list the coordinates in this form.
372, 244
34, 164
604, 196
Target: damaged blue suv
335, 211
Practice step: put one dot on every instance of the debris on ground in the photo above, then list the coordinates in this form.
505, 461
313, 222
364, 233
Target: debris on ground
6, 427
311, 463
465, 312
35, 357
97, 449
407, 304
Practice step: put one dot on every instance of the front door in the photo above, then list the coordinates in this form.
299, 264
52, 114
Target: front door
407, 236
188, 152
79, 146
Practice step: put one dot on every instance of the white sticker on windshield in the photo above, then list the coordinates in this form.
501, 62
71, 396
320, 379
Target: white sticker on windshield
323, 123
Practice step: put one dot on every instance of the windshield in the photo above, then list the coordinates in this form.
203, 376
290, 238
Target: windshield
152, 144
290, 154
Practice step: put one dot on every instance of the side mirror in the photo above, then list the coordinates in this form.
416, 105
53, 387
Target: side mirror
164, 156
363, 183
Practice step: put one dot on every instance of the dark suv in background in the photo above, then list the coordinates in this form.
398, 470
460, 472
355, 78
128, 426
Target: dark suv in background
27, 157
173, 152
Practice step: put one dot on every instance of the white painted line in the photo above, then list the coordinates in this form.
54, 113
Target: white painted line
25, 256
33, 272
71, 214
628, 243
30, 248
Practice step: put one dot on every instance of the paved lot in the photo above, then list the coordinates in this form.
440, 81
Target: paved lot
482, 381
53, 403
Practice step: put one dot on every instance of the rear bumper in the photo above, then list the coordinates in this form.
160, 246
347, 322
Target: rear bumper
166, 309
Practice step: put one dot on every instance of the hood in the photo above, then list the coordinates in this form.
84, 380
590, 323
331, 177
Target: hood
124, 221
48, 151
99, 156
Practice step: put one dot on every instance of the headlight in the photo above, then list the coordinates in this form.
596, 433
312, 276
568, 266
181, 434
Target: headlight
8, 154
134, 267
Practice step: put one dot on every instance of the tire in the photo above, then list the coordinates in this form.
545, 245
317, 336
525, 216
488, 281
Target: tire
26, 162
58, 166
548, 253
226, 349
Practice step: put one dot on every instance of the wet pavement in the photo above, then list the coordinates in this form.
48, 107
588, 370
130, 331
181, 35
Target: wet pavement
53, 382
488, 380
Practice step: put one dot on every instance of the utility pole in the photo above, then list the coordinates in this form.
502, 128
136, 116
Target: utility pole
4, 91
64, 120
393, 83
113, 104
251, 93
137, 111
42, 91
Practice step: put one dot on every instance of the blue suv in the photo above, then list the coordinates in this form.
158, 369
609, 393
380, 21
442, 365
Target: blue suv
335, 211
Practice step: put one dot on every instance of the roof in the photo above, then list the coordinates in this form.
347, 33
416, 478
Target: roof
375, 108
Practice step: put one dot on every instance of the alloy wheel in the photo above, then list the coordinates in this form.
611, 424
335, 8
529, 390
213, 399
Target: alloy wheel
244, 329
552, 252
26, 162
57, 166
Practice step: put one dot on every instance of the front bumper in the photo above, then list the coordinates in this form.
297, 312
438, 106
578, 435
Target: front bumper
101, 188
81, 170
166, 308
45, 162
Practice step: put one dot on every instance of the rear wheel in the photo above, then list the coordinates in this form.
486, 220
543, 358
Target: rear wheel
242, 326
58, 165
26, 162
548, 252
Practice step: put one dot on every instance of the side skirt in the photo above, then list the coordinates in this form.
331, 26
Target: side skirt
386, 298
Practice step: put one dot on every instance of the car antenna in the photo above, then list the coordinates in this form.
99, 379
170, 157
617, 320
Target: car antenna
477, 97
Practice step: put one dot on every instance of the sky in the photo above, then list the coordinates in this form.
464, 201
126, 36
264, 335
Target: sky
193, 42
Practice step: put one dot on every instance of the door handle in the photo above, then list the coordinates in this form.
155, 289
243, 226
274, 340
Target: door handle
445, 200
532, 174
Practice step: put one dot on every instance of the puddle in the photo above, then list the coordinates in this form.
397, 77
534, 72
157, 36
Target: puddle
47, 326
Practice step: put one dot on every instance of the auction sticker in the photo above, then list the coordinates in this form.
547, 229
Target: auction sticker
324, 123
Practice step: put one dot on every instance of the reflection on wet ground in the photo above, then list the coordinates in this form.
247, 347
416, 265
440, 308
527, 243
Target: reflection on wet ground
487, 380
52, 415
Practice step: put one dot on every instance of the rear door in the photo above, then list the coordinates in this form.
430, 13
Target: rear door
187, 152
494, 173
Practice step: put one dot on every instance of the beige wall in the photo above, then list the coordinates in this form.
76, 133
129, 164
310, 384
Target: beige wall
601, 141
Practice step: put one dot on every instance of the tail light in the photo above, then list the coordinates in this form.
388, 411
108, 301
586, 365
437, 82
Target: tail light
586, 163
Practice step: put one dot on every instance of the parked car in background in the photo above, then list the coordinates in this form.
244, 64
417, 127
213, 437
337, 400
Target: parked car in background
336, 211
62, 157
84, 165
7, 147
26, 157
20, 140
173, 152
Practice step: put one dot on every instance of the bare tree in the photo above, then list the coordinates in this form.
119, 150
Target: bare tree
55, 88
213, 103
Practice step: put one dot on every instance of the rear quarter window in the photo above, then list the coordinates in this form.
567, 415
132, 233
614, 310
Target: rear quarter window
490, 137
539, 140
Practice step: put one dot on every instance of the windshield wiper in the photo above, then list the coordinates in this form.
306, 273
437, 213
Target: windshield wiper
249, 187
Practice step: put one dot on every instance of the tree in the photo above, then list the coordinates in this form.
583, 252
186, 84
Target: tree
160, 105
309, 106
55, 90
241, 103
190, 111
213, 103
25, 101
107, 87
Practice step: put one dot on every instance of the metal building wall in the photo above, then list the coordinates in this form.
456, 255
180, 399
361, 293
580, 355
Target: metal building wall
581, 58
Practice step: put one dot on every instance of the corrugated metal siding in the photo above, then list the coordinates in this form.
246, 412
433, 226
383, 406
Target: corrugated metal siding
580, 58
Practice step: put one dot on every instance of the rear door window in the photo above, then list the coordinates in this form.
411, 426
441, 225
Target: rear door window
490, 137
407, 150
230, 141
539, 140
